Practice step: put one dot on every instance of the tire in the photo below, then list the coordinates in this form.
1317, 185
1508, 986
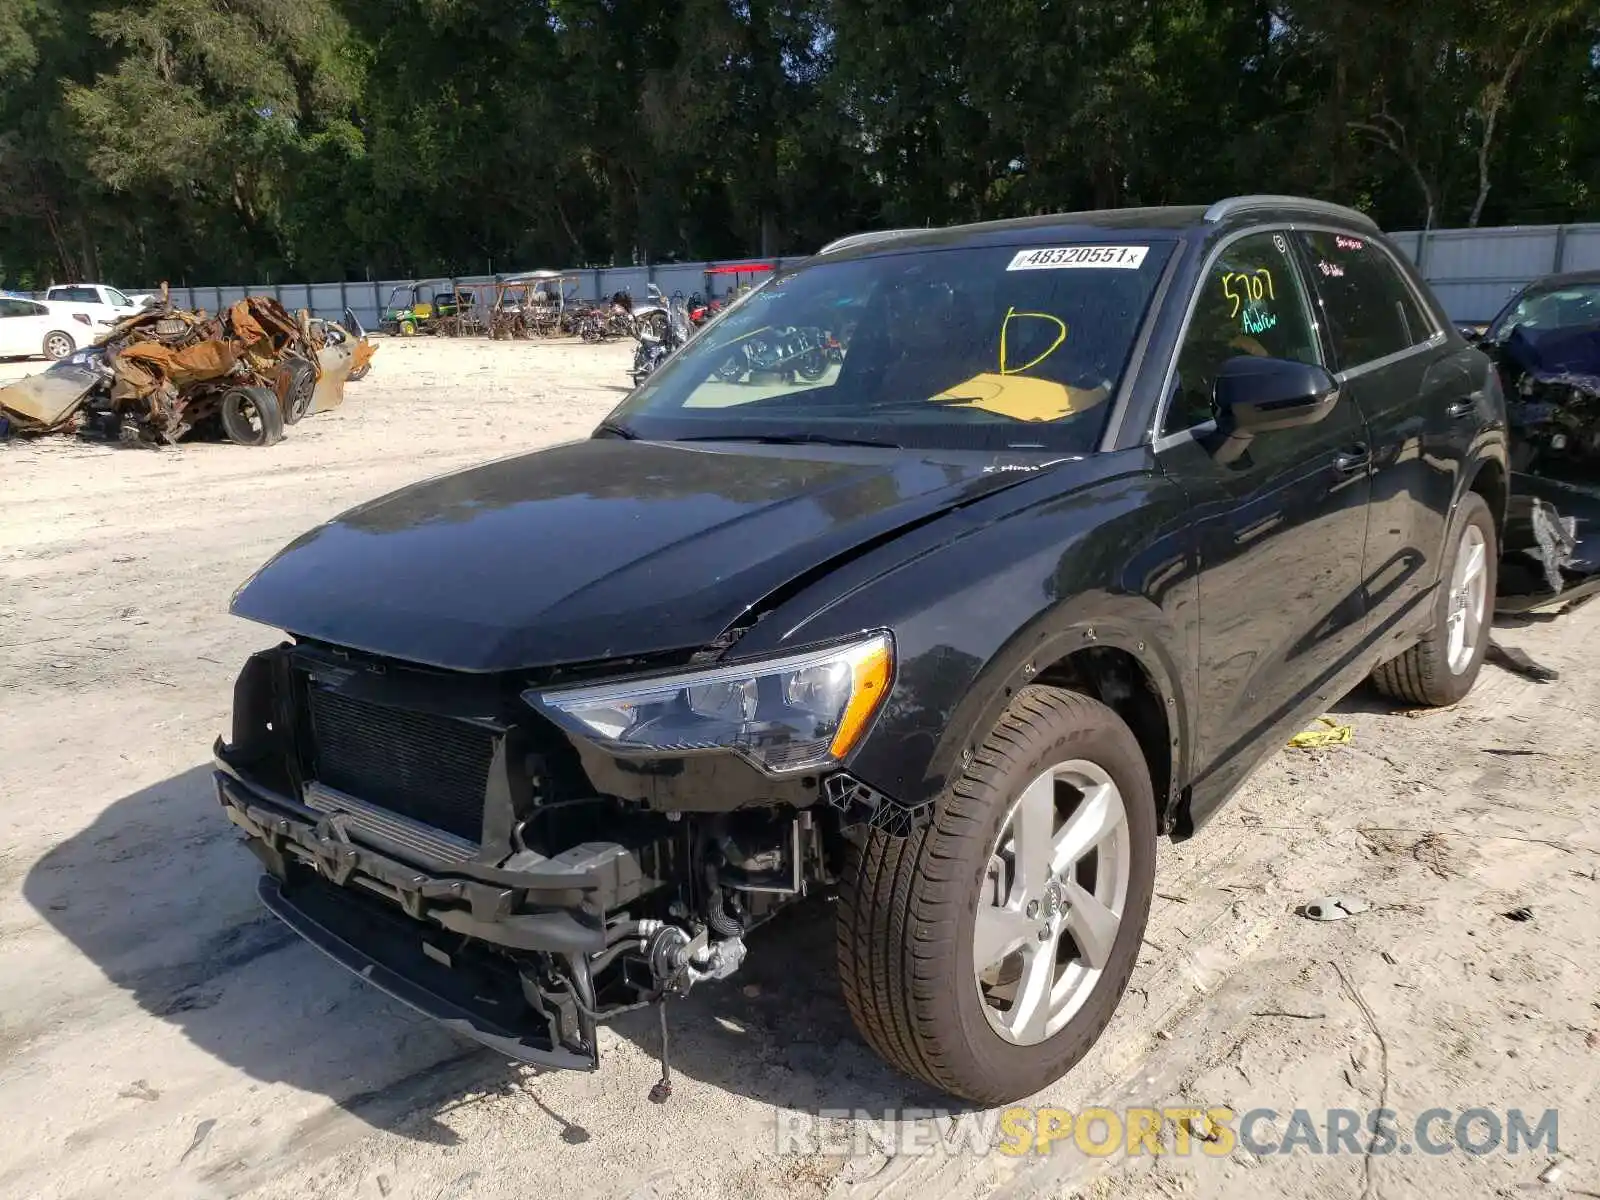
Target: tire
1430, 675
298, 391
408, 328
251, 417
58, 344
813, 365
909, 906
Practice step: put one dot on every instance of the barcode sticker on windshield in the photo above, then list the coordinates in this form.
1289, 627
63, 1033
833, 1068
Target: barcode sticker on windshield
1126, 257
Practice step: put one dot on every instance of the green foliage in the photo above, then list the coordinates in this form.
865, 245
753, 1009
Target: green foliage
220, 140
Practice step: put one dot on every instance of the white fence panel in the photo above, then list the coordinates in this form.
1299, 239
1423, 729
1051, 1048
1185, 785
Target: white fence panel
1475, 271
1582, 248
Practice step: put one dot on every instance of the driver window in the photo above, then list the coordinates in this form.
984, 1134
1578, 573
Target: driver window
1251, 302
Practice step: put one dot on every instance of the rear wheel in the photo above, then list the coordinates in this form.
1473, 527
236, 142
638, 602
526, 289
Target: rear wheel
58, 345
1441, 668
986, 953
251, 417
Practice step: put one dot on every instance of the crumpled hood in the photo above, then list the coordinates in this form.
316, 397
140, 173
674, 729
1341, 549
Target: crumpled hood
596, 549
1563, 356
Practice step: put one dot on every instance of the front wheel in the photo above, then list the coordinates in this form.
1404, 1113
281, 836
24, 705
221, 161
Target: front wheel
58, 345
986, 953
408, 328
1441, 668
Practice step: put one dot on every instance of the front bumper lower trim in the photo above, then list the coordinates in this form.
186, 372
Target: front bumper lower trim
416, 995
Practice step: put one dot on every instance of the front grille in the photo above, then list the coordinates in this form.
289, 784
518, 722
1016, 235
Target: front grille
432, 769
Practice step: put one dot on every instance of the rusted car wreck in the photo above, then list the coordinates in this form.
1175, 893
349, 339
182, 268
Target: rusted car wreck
166, 375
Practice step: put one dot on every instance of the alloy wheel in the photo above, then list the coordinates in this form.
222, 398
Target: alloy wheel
1053, 898
1469, 586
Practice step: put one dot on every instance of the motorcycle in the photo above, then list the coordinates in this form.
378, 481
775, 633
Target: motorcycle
702, 310
789, 352
613, 319
658, 340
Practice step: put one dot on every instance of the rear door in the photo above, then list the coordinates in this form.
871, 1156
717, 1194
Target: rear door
1395, 363
1279, 530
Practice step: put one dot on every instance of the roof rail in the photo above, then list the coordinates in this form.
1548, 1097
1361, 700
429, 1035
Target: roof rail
1223, 209
866, 239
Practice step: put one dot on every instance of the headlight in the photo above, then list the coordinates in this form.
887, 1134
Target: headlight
785, 714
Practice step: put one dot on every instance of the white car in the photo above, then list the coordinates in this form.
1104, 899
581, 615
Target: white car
102, 303
30, 328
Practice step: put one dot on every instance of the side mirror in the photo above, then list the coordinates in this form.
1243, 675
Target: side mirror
1255, 395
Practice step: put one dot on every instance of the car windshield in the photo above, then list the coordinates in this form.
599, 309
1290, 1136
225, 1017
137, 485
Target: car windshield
980, 348
1566, 307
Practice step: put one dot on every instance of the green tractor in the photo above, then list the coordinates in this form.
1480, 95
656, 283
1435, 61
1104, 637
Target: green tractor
421, 307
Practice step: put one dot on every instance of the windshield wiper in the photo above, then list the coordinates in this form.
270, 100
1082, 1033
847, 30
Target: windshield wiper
935, 402
791, 439
615, 430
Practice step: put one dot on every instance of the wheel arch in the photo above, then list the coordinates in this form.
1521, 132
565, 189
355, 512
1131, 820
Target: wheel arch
1491, 480
1130, 665
1120, 681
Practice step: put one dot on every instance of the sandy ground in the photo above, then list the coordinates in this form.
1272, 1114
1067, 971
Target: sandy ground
160, 1036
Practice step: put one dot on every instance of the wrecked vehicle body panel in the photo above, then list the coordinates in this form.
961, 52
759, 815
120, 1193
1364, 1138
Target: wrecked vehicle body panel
46, 402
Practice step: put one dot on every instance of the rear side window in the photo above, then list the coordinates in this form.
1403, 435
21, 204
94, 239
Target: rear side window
1371, 310
13, 308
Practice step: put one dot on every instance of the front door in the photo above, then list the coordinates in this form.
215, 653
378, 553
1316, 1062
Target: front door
1280, 528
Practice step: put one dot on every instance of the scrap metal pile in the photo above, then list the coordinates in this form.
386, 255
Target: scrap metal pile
169, 374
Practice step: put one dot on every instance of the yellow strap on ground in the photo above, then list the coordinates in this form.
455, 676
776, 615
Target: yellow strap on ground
1334, 734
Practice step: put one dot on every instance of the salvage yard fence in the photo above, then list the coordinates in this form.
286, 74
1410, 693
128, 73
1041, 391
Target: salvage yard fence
1474, 271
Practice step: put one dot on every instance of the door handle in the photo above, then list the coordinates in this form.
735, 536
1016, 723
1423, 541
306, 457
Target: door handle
1463, 409
1348, 462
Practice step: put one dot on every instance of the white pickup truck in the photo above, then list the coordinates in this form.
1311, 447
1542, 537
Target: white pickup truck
102, 303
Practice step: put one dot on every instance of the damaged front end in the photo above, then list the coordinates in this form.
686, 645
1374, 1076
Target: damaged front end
1551, 379
433, 833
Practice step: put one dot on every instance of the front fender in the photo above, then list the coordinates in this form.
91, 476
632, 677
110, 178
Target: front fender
1133, 625
987, 598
